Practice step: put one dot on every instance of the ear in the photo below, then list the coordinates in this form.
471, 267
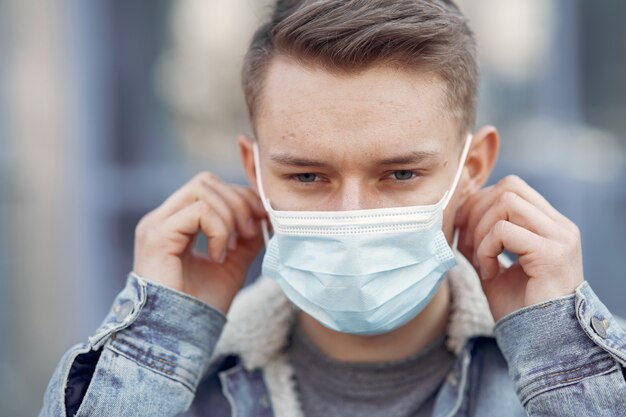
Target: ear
480, 160
246, 145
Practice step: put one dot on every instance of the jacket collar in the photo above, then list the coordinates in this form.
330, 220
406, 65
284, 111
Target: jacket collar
260, 317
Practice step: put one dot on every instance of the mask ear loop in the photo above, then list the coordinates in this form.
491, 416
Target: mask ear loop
455, 183
459, 171
455, 238
259, 185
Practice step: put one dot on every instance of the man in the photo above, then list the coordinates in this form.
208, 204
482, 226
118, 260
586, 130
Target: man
365, 163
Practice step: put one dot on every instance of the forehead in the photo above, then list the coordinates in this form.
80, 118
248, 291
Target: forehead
380, 106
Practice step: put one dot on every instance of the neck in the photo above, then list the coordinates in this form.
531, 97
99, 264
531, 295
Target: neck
400, 343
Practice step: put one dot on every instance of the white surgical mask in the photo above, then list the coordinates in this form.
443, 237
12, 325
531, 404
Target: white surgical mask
359, 271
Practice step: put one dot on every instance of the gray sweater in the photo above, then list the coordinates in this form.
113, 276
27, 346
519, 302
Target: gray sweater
400, 388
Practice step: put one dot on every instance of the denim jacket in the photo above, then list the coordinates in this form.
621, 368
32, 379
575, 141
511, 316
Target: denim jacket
160, 352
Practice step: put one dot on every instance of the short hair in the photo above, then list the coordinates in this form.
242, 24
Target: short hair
348, 36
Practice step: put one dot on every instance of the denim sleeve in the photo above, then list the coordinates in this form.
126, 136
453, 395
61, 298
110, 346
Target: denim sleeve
148, 356
566, 356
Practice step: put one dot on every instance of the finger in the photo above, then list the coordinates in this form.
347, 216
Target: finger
477, 205
192, 191
199, 216
239, 206
515, 209
481, 201
504, 235
253, 199
467, 249
462, 214
519, 186
201, 188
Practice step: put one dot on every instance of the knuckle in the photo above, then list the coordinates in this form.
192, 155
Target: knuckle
240, 207
221, 231
574, 237
512, 181
219, 235
480, 251
206, 177
508, 198
501, 228
151, 238
202, 207
230, 219
574, 229
244, 210
141, 227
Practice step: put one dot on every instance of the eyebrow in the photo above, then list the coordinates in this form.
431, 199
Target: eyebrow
414, 157
403, 159
295, 161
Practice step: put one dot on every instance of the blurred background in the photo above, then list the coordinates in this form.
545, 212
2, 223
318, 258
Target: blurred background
107, 107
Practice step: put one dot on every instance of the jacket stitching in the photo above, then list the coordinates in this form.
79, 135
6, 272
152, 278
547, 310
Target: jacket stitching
541, 388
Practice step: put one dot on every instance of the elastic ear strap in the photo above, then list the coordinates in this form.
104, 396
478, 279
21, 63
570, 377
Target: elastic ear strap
259, 181
459, 171
259, 186
266, 233
455, 238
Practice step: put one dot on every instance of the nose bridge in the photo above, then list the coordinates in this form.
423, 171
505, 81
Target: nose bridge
354, 194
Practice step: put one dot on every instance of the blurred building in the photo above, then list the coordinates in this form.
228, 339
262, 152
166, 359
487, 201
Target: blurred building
108, 107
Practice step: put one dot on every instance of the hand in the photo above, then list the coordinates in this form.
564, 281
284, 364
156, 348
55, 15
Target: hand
511, 215
229, 215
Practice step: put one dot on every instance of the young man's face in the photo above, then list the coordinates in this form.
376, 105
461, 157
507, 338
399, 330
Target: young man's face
380, 138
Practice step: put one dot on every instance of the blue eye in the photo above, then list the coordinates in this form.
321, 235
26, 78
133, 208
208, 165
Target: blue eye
308, 177
403, 175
